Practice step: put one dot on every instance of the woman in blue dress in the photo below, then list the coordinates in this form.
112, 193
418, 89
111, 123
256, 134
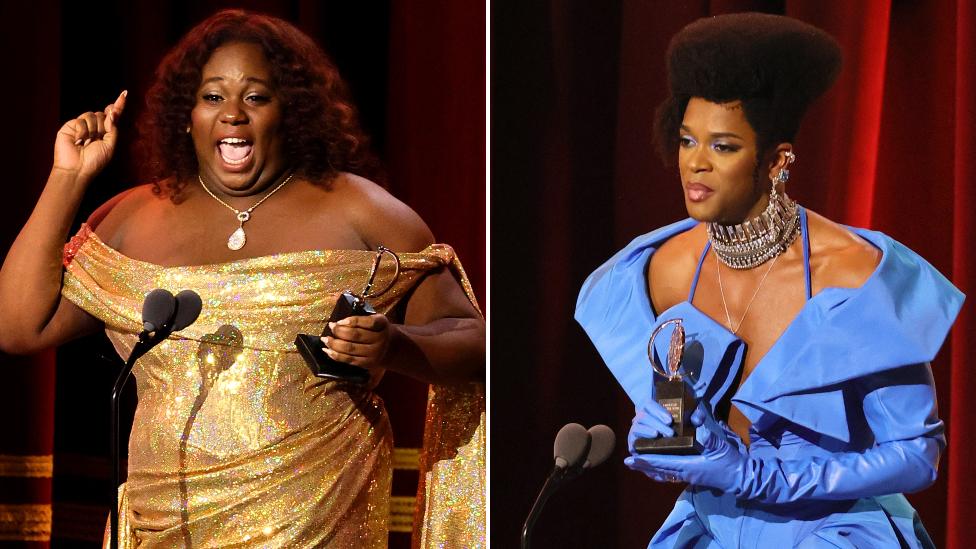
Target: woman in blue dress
807, 342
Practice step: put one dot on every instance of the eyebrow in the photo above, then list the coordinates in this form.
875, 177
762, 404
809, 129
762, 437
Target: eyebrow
717, 134
249, 79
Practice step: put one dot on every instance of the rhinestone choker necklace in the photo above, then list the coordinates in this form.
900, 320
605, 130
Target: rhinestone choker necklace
754, 242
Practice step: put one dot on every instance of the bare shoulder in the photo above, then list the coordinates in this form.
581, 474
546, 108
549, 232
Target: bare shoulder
379, 217
673, 265
838, 257
109, 221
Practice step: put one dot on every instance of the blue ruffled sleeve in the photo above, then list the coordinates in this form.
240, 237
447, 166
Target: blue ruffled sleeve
900, 409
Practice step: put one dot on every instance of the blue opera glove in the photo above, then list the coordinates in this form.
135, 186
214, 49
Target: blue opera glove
651, 421
720, 465
893, 466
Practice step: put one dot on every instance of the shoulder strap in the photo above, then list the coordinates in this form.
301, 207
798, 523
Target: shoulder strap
694, 281
805, 233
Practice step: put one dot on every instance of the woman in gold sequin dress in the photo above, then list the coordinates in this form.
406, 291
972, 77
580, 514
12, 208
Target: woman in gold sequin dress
234, 442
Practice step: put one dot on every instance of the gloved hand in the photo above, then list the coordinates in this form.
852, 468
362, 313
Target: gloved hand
651, 421
719, 466
890, 467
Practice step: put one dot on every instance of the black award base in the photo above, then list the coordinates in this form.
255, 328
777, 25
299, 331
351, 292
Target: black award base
310, 346
676, 397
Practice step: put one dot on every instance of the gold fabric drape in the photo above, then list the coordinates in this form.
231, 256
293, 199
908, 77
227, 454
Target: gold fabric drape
234, 442
451, 499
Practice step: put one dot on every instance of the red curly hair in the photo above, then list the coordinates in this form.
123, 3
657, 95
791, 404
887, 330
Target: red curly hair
322, 136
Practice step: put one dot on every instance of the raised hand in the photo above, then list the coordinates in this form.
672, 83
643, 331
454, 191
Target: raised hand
85, 145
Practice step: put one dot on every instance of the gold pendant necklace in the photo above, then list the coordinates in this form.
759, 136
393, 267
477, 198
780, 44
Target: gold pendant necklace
238, 238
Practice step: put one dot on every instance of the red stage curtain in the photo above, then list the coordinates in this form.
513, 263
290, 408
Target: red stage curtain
416, 71
962, 382
574, 87
27, 393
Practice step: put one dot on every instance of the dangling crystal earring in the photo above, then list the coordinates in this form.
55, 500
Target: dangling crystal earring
755, 241
783, 176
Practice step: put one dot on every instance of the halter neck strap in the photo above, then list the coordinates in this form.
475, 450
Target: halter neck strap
805, 235
694, 281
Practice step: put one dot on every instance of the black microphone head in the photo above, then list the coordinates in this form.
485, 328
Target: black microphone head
188, 306
602, 441
157, 309
572, 444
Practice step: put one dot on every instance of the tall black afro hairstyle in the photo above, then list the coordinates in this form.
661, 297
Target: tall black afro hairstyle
776, 66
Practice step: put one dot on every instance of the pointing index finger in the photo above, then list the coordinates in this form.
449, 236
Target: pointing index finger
119, 104
114, 110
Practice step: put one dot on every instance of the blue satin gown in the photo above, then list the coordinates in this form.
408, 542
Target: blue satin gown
843, 408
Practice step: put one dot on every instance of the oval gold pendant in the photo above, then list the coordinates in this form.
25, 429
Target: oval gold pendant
237, 240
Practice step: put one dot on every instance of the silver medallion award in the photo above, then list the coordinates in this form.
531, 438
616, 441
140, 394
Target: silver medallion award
675, 396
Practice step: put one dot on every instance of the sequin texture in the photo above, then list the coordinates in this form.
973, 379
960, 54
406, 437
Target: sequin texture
234, 442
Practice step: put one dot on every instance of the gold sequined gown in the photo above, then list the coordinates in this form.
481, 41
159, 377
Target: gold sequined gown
235, 443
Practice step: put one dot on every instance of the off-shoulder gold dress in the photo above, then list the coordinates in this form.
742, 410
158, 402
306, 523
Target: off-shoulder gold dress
236, 444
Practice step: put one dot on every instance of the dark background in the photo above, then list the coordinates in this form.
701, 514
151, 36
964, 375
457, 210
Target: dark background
417, 74
574, 178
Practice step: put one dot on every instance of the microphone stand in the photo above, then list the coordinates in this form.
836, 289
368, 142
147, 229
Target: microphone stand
146, 342
557, 477
180, 311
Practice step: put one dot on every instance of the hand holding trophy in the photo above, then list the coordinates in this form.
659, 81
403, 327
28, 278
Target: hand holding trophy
348, 304
675, 396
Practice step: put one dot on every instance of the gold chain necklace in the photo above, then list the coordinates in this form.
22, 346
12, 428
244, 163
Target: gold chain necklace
728, 317
238, 238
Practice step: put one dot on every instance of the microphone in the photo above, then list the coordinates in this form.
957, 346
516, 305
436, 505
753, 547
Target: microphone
571, 445
602, 442
162, 314
569, 451
157, 309
576, 449
188, 307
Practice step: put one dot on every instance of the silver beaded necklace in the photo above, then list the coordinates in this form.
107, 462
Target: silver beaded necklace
751, 243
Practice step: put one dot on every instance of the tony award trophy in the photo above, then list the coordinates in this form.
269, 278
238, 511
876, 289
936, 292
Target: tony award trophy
348, 304
676, 397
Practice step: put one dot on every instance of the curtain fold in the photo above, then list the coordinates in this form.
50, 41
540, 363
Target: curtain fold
962, 412
27, 393
852, 108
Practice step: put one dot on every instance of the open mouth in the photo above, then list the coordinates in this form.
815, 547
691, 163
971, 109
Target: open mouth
235, 151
